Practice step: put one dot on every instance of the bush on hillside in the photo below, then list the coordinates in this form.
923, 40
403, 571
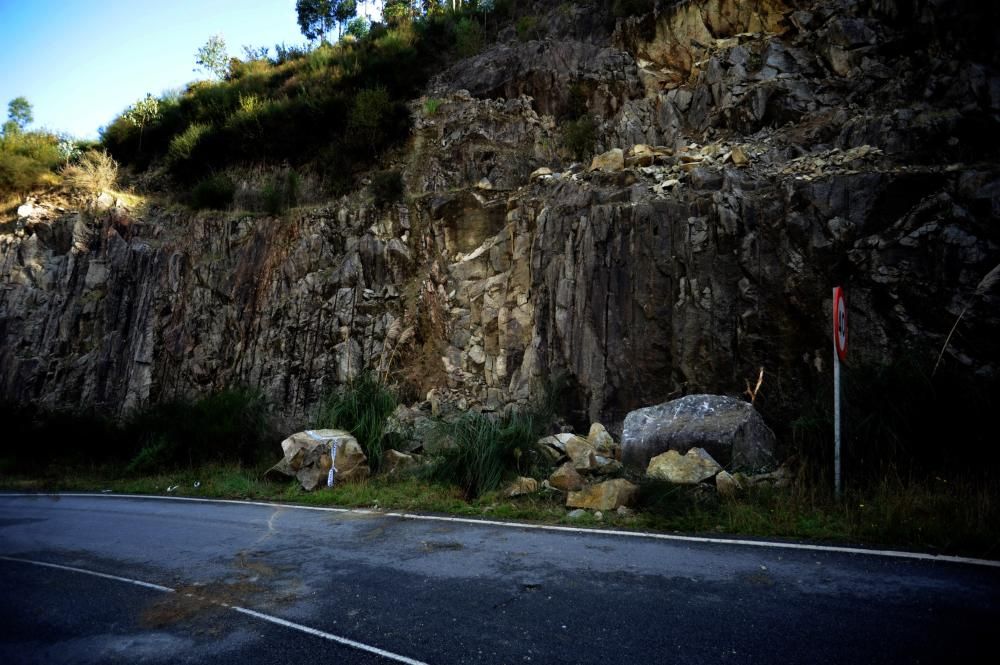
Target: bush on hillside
27, 160
480, 451
529, 27
95, 172
215, 192
893, 426
230, 426
362, 407
386, 187
579, 136
281, 193
78, 436
468, 37
300, 106
183, 145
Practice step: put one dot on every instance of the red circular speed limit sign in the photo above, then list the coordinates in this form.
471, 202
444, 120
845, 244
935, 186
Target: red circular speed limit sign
840, 323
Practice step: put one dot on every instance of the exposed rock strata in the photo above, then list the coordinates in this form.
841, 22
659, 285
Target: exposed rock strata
793, 147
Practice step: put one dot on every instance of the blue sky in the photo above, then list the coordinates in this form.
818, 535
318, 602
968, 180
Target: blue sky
81, 62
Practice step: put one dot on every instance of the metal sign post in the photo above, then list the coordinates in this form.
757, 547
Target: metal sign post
839, 354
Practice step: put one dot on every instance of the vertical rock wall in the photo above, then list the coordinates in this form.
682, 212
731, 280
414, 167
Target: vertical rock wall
800, 145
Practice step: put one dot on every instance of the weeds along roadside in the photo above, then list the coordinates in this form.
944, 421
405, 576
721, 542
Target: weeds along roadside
225, 441
959, 519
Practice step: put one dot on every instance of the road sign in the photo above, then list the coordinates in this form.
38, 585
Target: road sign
839, 354
840, 323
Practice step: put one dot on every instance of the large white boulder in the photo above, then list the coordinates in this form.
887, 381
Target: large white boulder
729, 429
307, 457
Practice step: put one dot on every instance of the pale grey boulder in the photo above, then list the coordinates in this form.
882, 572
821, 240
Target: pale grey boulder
729, 429
307, 458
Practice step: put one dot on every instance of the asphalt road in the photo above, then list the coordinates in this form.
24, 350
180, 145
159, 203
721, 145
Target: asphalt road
350, 587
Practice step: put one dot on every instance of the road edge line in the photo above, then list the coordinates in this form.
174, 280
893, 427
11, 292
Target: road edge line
843, 549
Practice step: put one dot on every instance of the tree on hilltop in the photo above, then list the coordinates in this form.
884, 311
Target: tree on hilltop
318, 17
358, 27
346, 10
397, 11
19, 112
213, 58
143, 112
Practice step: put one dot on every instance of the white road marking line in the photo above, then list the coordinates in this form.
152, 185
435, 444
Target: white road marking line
899, 554
148, 585
236, 608
326, 636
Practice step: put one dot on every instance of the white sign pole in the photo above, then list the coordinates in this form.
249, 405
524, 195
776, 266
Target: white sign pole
839, 355
836, 423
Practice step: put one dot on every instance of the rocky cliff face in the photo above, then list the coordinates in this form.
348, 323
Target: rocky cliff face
785, 147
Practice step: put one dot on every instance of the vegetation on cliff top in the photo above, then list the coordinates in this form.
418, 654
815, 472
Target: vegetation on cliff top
334, 107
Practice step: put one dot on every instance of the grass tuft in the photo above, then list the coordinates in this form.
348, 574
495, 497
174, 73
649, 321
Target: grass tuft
362, 408
96, 172
480, 451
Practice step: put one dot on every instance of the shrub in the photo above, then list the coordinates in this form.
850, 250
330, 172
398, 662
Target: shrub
431, 106
362, 407
281, 193
397, 12
386, 187
228, 426
20, 174
80, 437
528, 27
367, 113
468, 37
215, 192
892, 425
183, 144
337, 168
482, 450
95, 172
319, 59
288, 52
576, 101
27, 160
580, 136
250, 67
293, 108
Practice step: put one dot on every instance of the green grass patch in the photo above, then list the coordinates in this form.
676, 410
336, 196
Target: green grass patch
480, 451
940, 516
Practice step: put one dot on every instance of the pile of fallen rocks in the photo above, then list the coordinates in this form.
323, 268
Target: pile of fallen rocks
695, 441
697, 467
586, 470
694, 163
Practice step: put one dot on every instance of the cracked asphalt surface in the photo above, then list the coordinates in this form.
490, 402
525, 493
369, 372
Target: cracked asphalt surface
444, 592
